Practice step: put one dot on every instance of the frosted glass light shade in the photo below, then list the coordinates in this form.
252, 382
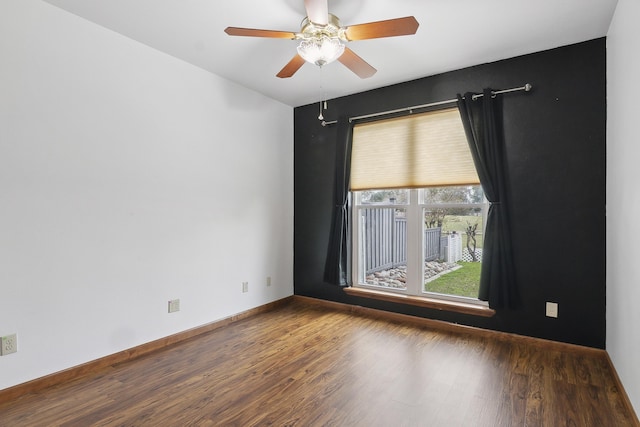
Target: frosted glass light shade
320, 51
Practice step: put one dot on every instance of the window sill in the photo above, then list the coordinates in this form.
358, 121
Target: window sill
438, 304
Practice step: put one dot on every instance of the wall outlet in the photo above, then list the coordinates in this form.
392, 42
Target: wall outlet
268, 280
174, 305
9, 344
245, 286
552, 309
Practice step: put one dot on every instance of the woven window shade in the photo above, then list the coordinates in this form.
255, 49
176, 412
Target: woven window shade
421, 150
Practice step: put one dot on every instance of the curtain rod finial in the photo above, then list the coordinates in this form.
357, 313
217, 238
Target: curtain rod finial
527, 87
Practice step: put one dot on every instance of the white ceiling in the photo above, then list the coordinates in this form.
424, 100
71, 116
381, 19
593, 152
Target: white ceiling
453, 34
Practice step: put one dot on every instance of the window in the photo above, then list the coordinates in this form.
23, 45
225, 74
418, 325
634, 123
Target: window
419, 210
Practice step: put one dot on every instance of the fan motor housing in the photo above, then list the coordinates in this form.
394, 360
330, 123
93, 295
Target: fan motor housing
311, 30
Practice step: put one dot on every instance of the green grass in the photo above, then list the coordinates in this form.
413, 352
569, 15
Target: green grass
464, 281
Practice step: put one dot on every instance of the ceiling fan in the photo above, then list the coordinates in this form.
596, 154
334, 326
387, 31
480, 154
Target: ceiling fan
322, 38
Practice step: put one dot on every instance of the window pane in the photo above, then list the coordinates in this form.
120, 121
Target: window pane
386, 197
382, 247
453, 250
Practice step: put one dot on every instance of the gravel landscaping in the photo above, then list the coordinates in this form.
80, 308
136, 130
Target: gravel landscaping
396, 277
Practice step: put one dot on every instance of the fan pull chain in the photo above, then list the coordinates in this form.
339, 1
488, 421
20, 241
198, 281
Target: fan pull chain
322, 96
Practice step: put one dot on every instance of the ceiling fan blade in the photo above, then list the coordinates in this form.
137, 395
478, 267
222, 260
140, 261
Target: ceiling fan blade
356, 64
291, 68
317, 11
389, 28
252, 32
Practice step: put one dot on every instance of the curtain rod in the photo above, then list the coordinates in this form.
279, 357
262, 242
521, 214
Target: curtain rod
527, 87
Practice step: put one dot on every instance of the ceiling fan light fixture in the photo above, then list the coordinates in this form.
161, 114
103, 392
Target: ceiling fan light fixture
322, 38
320, 50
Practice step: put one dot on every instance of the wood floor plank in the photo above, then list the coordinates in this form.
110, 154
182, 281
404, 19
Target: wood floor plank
308, 365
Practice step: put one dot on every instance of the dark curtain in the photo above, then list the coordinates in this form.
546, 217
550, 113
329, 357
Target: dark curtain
337, 267
482, 123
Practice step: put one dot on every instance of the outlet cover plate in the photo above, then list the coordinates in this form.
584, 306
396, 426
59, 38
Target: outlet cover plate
9, 344
174, 305
552, 309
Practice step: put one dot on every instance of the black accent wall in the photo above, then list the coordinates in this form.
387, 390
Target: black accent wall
556, 145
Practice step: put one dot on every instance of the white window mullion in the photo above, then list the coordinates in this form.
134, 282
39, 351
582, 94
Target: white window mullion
357, 255
415, 269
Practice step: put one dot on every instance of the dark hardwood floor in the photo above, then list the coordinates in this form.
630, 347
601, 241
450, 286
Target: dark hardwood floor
310, 365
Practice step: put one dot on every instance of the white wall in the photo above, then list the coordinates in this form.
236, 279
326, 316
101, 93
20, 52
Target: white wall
623, 196
128, 178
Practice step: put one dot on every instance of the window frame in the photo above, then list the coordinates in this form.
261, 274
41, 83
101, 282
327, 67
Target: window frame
484, 206
415, 277
415, 281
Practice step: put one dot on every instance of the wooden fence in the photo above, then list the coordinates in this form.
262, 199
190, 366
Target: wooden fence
385, 239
